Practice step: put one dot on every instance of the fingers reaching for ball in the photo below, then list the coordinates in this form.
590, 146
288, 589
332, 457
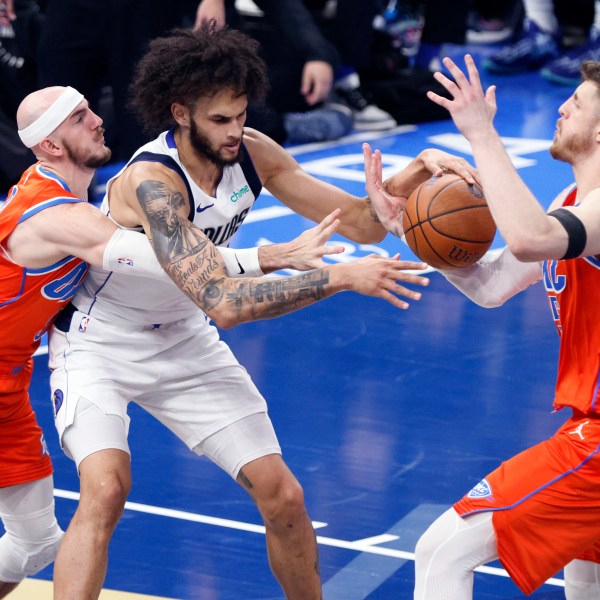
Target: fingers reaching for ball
384, 278
440, 163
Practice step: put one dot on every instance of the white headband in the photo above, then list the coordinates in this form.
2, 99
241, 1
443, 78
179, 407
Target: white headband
47, 122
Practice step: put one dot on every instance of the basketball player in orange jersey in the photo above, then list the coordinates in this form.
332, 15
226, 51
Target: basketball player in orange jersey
47, 231
38, 276
540, 510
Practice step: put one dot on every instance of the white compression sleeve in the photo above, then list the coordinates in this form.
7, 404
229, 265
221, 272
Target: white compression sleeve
449, 551
130, 253
582, 580
495, 278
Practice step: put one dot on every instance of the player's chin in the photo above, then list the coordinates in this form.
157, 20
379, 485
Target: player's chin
100, 159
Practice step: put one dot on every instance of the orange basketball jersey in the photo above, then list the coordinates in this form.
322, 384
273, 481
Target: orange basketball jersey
31, 298
573, 288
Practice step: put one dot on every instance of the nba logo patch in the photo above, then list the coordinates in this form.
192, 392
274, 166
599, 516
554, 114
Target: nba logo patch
481, 490
83, 324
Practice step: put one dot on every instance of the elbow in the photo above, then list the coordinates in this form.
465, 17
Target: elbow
525, 249
491, 303
224, 319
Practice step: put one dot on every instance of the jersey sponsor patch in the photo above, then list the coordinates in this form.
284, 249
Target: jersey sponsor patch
481, 490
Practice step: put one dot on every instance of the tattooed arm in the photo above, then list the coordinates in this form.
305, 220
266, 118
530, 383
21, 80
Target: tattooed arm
194, 264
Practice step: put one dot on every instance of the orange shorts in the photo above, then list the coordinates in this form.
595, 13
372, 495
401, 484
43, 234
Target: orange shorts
23, 453
546, 503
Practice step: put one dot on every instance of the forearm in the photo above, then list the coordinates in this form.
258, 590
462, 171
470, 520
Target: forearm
494, 279
520, 218
405, 181
230, 302
315, 199
130, 253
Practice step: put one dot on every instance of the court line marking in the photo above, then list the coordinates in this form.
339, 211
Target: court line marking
364, 545
41, 589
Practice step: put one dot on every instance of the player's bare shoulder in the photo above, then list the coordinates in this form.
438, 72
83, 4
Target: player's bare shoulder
123, 194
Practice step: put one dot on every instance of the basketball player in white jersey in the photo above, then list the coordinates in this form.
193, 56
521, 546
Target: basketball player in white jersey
202, 175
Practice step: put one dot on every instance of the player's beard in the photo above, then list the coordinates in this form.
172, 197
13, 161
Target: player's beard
202, 145
83, 159
570, 149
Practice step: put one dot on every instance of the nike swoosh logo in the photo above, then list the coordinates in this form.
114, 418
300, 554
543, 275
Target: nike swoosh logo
242, 270
203, 208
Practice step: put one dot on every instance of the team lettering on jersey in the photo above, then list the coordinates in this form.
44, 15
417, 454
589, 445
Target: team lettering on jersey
222, 233
555, 284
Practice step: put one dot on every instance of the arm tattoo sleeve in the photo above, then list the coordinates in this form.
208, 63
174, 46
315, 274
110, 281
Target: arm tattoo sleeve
172, 235
195, 265
182, 249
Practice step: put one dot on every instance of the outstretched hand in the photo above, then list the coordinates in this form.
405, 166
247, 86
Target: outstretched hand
439, 163
307, 250
376, 276
389, 209
471, 109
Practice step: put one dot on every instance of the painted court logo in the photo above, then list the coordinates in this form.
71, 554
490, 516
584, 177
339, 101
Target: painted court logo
481, 490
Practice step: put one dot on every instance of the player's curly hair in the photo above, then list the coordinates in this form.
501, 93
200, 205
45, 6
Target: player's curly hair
185, 65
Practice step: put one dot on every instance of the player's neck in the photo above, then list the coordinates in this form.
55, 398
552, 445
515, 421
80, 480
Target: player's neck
205, 172
587, 175
77, 178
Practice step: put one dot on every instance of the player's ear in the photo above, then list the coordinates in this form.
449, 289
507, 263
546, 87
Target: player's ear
181, 114
49, 146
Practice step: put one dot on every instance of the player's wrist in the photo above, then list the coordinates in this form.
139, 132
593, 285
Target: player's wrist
341, 277
274, 257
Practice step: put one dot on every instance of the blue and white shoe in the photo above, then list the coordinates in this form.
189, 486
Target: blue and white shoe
530, 52
566, 70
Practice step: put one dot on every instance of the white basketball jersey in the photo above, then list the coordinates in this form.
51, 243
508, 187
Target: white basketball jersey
140, 300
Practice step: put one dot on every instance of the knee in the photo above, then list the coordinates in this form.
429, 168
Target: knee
436, 554
285, 507
22, 557
103, 499
43, 553
425, 549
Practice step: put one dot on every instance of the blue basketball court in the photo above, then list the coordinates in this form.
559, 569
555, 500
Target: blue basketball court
386, 417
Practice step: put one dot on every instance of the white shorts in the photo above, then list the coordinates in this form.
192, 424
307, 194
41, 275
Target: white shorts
180, 372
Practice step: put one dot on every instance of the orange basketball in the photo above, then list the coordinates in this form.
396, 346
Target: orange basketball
447, 222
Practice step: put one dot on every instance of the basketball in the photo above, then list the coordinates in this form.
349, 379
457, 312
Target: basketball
447, 222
